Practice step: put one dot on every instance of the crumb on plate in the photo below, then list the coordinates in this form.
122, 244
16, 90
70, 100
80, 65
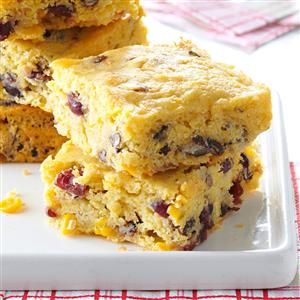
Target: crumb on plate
240, 226
12, 203
26, 172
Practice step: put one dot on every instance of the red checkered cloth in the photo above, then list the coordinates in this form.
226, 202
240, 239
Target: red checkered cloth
289, 292
247, 24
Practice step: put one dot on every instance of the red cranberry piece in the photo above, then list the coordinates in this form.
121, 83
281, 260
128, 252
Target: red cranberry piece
65, 181
224, 209
247, 175
74, 104
9, 83
236, 191
51, 213
226, 165
205, 216
60, 11
160, 207
6, 29
215, 147
189, 225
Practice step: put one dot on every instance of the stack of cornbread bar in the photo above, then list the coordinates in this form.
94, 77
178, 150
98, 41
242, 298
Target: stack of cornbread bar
160, 137
33, 34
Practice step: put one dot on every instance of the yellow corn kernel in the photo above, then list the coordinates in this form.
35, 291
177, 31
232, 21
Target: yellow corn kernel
174, 212
68, 225
12, 203
102, 229
164, 247
50, 196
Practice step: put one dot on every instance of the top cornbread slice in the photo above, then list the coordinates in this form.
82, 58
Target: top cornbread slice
30, 19
146, 109
24, 65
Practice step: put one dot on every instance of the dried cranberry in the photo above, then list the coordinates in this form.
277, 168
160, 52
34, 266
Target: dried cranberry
247, 175
197, 148
189, 225
40, 73
160, 207
236, 191
225, 165
100, 58
215, 147
6, 29
61, 11
128, 229
9, 83
165, 150
74, 104
161, 133
205, 216
65, 181
89, 3
224, 209
51, 213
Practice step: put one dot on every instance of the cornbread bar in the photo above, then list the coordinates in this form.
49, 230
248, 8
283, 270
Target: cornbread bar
171, 210
24, 65
31, 19
147, 109
27, 134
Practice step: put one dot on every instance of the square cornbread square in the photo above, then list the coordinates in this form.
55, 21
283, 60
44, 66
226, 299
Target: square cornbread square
148, 109
27, 134
24, 65
174, 210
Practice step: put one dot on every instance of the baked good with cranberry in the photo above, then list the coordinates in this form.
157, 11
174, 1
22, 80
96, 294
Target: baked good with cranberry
147, 109
27, 134
24, 65
174, 210
30, 19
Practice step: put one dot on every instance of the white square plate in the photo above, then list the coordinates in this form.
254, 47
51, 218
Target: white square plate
260, 253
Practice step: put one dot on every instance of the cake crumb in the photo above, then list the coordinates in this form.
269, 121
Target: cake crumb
240, 226
12, 203
122, 249
26, 172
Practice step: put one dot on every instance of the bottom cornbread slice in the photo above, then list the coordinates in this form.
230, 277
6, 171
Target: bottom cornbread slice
27, 134
173, 210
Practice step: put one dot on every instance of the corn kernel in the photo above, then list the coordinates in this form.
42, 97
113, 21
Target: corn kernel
68, 224
12, 203
164, 247
102, 229
174, 212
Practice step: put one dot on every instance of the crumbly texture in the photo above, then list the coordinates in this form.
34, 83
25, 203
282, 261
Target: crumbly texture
24, 65
31, 19
27, 134
173, 210
147, 109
